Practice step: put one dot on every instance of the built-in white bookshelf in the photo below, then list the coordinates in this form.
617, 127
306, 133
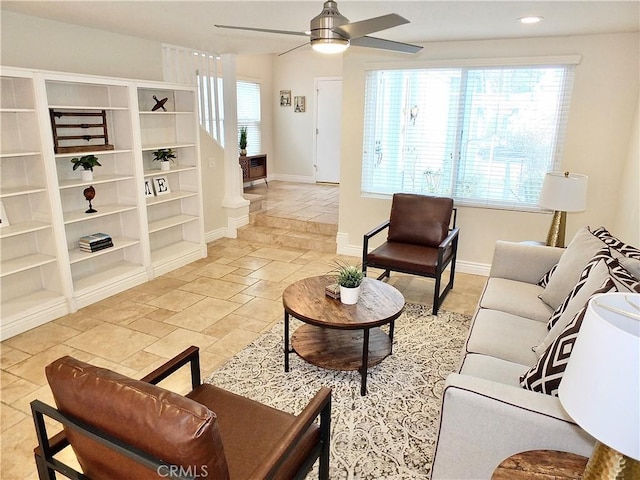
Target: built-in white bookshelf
31, 286
174, 218
44, 273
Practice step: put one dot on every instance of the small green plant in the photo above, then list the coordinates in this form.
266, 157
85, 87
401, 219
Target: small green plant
348, 276
243, 138
164, 155
87, 162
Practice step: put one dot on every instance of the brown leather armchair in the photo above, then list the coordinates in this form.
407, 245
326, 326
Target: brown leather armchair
419, 241
120, 428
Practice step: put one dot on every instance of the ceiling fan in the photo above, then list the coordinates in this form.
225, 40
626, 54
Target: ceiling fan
331, 32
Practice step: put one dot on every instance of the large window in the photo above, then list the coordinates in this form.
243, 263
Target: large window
482, 135
249, 114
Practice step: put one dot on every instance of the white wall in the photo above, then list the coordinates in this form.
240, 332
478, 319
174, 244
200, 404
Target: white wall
627, 224
33, 42
604, 101
294, 132
250, 67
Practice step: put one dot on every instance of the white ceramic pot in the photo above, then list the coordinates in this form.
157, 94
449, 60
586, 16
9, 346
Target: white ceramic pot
165, 165
87, 175
349, 296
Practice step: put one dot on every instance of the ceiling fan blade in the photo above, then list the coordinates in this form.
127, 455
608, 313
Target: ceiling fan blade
381, 43
371, 25
264, 30
294, 48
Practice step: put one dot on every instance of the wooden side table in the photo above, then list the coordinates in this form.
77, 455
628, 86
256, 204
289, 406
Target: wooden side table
542, 465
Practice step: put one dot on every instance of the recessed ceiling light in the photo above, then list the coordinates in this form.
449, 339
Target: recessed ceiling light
529, 20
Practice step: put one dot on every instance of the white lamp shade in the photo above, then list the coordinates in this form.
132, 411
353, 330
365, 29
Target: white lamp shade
565, 192
600, 388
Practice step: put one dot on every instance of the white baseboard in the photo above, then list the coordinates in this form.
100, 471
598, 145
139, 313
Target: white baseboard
292, 178
234, 223
215, 234
473, 268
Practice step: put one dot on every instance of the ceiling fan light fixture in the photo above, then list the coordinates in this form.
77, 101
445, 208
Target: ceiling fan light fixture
530, 20
329, 45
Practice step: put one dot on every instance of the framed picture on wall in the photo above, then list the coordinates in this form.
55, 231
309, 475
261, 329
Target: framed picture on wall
299, 104
161, 185
285, 98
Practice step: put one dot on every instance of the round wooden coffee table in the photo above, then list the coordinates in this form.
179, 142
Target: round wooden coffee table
339, 336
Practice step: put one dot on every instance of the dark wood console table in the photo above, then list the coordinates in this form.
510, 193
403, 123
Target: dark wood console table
254, 167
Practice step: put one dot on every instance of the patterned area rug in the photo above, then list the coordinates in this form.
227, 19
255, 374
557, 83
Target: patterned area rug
390, 432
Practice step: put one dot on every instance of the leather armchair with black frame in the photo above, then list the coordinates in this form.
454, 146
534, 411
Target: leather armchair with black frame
422, 240
120, 428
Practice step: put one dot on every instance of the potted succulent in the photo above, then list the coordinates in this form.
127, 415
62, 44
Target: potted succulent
349, 278
243, 141
87, 162
164, 156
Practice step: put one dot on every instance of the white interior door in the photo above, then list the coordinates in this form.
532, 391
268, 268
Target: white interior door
328, 126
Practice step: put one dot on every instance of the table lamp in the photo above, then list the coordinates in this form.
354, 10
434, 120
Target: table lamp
600, 388
562, 193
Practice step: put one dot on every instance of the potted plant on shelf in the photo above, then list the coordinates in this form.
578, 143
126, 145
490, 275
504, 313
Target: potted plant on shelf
164, 156
243, 141
87, 162
349, 278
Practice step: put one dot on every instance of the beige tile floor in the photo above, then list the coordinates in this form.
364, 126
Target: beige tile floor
219, 303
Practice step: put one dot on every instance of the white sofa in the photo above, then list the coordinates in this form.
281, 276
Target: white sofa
486, 415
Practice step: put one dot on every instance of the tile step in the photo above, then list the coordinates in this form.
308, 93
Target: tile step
288, 238
292, 224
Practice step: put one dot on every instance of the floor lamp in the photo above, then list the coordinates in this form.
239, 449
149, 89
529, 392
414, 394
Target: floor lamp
562, 193
600, 388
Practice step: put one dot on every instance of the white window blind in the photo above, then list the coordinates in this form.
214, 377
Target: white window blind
248, 95
211, 106
482, 135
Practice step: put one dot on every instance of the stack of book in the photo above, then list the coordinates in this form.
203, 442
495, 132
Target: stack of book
95, 242
332, 291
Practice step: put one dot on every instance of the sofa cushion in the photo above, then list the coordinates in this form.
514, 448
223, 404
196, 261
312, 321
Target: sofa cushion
544, 281
616, 244
579, 252
504, 335
595, 274
627, 255
546, 374
578, 297
493, 369
518, 298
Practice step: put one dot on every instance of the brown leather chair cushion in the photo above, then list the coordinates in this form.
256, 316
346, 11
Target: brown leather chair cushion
238, 415
419, 219
166, 425
406, 257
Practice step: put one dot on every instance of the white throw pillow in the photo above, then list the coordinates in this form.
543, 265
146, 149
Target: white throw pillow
578, 253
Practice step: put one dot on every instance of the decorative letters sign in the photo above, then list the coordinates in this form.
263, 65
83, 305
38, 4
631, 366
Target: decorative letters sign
148, 188
161, 185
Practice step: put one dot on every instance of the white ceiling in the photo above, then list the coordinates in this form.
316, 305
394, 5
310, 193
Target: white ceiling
190, 23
